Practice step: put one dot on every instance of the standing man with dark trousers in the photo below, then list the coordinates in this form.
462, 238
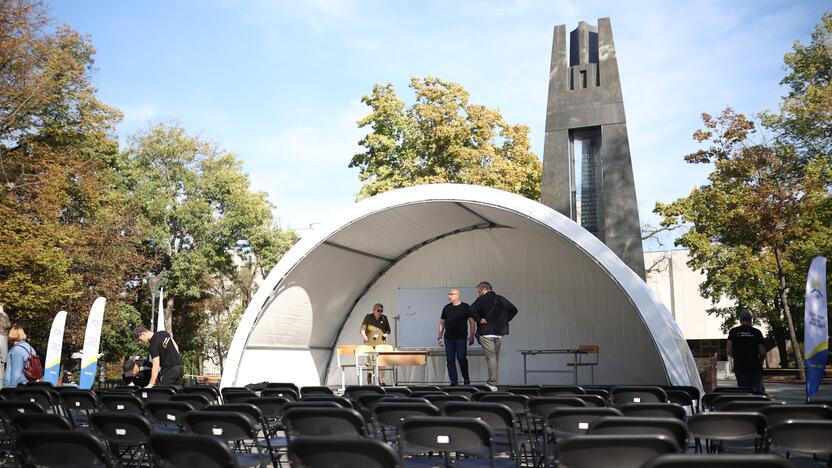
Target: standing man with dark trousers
166, 364
492, 313
746, 345
453, 328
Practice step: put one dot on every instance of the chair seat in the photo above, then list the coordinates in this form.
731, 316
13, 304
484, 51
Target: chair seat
424, 462
275, 442
475, 463
252, 459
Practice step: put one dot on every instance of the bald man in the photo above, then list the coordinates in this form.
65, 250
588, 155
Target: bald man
455, 324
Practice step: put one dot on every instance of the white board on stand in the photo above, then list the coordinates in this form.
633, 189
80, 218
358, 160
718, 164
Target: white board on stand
419, 312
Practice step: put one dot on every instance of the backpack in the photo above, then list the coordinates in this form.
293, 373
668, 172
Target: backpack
32, 366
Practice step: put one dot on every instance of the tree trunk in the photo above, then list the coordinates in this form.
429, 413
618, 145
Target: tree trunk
785, 302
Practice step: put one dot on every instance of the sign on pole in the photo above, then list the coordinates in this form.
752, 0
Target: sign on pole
815, 326
53, 348
92, 340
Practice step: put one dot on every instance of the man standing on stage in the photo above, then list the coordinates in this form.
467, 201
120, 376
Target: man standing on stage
745, 345
453, 328
166, 364
492, 314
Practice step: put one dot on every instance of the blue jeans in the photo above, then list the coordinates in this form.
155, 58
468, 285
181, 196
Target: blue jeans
457, 350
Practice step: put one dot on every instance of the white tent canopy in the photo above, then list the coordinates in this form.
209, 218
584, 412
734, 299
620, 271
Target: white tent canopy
569, 287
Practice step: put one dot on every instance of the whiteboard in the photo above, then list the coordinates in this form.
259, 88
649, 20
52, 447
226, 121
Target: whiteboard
419, 312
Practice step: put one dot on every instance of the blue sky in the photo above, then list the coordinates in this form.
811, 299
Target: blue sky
280, 83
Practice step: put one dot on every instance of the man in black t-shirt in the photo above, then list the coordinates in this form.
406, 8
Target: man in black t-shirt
746, 346
137, 372
164, 355
453, 329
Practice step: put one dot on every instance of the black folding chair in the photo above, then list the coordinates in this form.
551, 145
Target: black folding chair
780, 413
622, 395
237, 429
327, 452
653, 410
339, 421
718, 428
125, 433
285, 385
196, 400
352, 392
400, 391
673, 428
568, 422
41, 422
460, 389
341, 401
689, 460
168, 414
745, 406
79, 404
122, 403
208, 391
503, 424
46, 397
557, 390
621, 451
63, 449
424, 388
712, 403
315, 390
175, 450
155, 393
286, 393
440, 401
446, 436
388, 416
803, 436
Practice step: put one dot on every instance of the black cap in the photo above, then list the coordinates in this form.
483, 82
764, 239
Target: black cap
128, 367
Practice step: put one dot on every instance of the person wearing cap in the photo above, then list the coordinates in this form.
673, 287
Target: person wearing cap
166, 364
375, 328
137, 372
746, 346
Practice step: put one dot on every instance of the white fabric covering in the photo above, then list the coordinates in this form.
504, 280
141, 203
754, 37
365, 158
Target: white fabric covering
569, 287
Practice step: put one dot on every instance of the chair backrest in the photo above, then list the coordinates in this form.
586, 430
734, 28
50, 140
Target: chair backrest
744, 406
680, 397
425, 393
251, 411
315, 390
690, 460
82, 400
576, 421
736, 389
460, 389
694, 392
309, 404
121, 428
497, 415
289, 385
122, 403
168, 412
10, 409
286, 393
592, 400
528, 391
440, 401
270, 407
353, 391
62, 448
324, 422
207, 391
424, 388
367, 401
779, 413
41, 422
393, 413
224, 425
557, 390
603, 393
477, 396
326, 452
43, 396
196, 400
637, 394
518, 403
172, 450
654, 410
612, 450
626, 425
805, 436
402, 391
542, 406
155, 393
727, 426
446, 434
341, 401
712, 401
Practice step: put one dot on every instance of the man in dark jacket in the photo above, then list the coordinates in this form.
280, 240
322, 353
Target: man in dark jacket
492, 313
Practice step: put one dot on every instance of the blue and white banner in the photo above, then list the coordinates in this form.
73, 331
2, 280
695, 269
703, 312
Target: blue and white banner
160, 320
53, 349
815, 326
92, 340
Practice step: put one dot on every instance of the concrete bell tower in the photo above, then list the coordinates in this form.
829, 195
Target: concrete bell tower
585, 114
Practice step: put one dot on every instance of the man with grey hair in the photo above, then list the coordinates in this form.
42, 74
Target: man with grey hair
492, 313
746, 346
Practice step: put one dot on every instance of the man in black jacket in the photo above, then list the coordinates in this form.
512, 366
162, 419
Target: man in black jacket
492, 313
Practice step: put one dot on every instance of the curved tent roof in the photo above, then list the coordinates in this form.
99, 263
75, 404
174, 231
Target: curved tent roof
569, 287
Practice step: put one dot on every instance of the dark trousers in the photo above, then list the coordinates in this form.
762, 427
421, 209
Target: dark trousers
457, 350
752, 379
171, 375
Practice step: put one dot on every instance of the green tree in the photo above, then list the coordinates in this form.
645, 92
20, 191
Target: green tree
67, 232
442, 137
200, 219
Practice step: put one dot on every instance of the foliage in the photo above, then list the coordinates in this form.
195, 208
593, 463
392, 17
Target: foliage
200, 219
68, 233
442, 137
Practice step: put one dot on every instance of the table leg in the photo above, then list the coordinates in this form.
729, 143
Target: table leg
575, 362
375, 371
525, 374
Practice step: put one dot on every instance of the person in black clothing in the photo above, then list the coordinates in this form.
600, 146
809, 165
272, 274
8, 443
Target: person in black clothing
137, 372
492, 313
453, 328
745, 345
166, 366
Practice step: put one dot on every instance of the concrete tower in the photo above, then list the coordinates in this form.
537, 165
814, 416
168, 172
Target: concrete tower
586, 110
